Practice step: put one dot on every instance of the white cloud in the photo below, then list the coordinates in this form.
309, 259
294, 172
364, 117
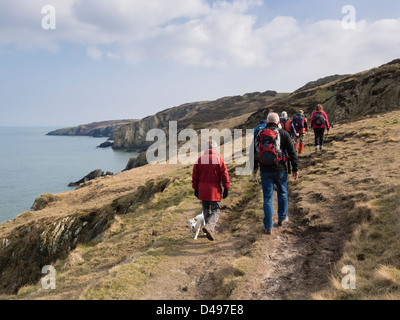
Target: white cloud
193, 32
94, 53
113, 56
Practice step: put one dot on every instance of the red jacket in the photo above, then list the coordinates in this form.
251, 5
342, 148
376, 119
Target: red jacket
208, 173
326, 125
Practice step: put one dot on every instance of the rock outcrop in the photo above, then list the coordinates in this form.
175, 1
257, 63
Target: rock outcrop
105, 144
43, 201
139, 161
92, 175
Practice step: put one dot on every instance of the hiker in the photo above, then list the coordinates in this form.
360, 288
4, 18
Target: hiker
286, 124
300, 127
208, 173
261, 125
285, 121
270, 146
319, 121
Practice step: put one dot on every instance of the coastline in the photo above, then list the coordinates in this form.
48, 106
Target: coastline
34, 163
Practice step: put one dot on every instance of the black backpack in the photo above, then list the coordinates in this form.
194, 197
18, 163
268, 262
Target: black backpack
319, 119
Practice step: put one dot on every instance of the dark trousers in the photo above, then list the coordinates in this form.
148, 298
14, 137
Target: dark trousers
319, 136
211, 211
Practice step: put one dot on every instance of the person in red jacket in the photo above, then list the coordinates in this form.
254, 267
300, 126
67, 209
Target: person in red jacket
319, 121
208, 173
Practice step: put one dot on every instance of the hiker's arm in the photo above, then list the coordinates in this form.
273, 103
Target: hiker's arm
327, 122
253, 157
224, 175
195, 177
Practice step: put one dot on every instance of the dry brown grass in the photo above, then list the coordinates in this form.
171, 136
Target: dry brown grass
344, 210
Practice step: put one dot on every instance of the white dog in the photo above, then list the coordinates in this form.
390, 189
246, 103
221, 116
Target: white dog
195, 224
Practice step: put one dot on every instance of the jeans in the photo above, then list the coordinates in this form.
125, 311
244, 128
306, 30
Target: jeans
268, 180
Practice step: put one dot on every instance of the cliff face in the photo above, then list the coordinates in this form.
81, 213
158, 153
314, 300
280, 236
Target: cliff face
133, 135
349, 97
30, 246
94, 129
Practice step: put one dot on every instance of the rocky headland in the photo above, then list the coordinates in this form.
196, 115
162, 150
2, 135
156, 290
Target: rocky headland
94, 129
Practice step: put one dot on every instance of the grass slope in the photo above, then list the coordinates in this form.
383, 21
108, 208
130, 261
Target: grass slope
344, 210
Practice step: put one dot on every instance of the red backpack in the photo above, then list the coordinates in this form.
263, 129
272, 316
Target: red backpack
268, 147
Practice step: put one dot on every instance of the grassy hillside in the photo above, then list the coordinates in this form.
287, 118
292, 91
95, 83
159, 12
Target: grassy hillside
343, 210
344, 98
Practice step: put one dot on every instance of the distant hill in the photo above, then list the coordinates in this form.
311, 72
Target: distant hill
193, 115
345, 97
94, 129
320, 82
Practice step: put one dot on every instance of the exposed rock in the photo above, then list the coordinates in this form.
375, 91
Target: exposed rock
43, 201
133, 135
139, 161
29, 247
105, 144
6, 243
92, 175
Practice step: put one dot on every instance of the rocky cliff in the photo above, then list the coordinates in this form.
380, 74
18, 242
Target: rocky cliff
43, 240
133, 135
94, 129
346, 97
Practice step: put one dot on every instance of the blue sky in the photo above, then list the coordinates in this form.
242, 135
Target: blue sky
129, 59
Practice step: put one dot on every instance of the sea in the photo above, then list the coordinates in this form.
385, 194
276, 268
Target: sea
32, 163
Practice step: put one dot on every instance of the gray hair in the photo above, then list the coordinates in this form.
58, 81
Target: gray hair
273, 117
284, 114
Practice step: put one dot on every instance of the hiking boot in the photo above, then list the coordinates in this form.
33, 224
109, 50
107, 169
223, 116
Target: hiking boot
316, 148
268, 231
280, 223
209, 234
321, 148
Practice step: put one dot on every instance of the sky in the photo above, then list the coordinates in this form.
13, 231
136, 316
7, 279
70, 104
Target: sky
82, 61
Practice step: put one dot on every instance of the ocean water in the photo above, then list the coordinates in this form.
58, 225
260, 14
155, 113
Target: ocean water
32, 163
